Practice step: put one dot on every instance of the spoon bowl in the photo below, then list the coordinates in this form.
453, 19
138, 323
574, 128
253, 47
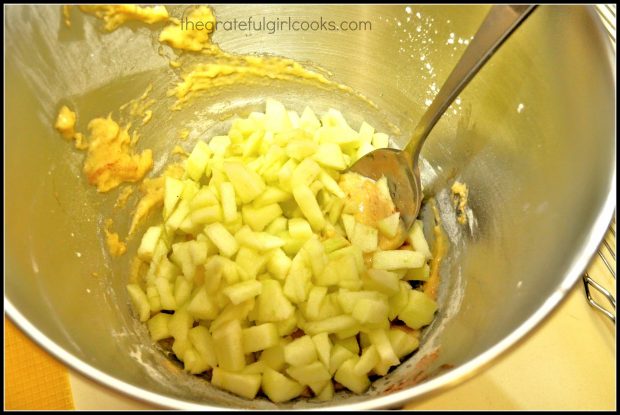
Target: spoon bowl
400, 167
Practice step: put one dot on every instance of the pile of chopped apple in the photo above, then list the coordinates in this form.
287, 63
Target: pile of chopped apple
260, 278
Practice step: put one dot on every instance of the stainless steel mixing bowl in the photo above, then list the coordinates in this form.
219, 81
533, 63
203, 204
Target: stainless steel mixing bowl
533, 137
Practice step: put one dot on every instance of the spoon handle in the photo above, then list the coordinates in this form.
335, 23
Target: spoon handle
499, 24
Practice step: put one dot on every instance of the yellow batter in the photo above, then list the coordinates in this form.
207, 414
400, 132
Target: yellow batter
110, 160
192, 33
116, 247
65, 125
123, 196
460, 193
115, 15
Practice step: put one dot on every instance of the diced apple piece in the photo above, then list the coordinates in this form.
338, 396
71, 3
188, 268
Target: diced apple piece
245, 385
330, 184
330, 325
276, 117
348, 299
204, 197
334, 243
149, 242
298, 281
327, 393
418, 274
300, 351
248, 185
272, 305
399, 259
203, 216
182, 290
166, 296
280, 388
288, 326
368, 360
301, 149
388, 226
384, 348
202, 306
251, 262
419, 311
315, 300
260, 241
309, 120
349, 225
197, 161
259, 218
279, 264
172, 194
180, 323
299, 228
309, 207
403, 341
202, 341
242, 291
166, 269
232, 312
158, 326
277, 226
323, 347
229, 206
380, 140
192, 362
213, 273
140, 301
365, 237
346, 376
364, 149
350, 343
274, 357
153, 296
256, 368
219, 144
399, 300
305, 173
316, 255
224, 241
368, 311
384, 281
270, 196
260, 337
338, 356
417, 240
314, 372
228, 342
182, 257
330, 155
180, 346
285, 175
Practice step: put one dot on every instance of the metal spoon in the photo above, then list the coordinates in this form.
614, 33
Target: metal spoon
400, 167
